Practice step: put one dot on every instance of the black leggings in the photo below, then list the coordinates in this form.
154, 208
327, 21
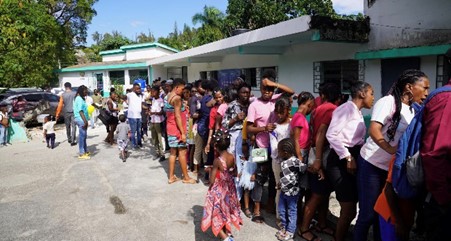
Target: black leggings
50, 138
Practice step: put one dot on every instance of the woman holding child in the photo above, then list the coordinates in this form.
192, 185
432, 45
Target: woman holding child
258, 125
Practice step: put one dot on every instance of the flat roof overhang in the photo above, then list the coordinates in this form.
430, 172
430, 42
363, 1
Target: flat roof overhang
270, 40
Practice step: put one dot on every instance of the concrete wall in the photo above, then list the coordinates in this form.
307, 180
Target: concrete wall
76, 79
113, 57
134, 54
404, 23
296, 65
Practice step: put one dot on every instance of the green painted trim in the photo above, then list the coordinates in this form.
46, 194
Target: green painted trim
148, 45
316, 36
403, 52
112, 52
151, 78
240, 50
103, 67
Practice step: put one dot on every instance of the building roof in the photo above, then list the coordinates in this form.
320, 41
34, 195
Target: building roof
124, 48
268, 40
110, 65
272, 40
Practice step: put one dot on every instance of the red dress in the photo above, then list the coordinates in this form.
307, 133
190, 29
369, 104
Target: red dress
221, 204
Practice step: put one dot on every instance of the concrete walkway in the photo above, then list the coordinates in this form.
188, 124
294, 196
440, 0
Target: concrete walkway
51, 195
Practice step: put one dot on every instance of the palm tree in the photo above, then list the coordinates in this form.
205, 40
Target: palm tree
211, 17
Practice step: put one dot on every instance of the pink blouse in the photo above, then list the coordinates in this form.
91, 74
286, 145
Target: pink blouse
347, 129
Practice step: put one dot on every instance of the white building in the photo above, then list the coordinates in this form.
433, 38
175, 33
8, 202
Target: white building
118, 67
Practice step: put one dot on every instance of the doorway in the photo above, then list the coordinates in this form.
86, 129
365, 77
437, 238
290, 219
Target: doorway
393, 68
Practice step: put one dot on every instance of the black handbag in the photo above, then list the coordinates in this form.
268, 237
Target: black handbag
105, 117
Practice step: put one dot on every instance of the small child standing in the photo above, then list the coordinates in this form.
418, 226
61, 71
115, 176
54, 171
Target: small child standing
281, 118
123, 132
49, 131
222, 208
291, 169
4, 124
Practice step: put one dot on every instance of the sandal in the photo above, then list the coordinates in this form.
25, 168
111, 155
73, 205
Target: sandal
248, 213
189, 181
173, 179
314, 236
257, 218
325, 230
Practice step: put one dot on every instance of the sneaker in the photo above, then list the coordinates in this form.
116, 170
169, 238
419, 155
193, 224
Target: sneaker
280, 234
88, 153
84, 157
288, 236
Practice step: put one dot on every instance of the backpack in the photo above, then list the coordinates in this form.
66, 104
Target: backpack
407, 173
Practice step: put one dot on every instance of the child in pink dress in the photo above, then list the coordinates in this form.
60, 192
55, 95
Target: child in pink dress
222, 209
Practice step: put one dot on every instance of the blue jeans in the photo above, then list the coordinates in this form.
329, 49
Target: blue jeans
82, 135
288, 211
3, 135
135, 126
370, 181
388, 232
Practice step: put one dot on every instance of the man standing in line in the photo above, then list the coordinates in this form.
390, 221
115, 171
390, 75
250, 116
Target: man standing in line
436, 157
134, 100
65, 105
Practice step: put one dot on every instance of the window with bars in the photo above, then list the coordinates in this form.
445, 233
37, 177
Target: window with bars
443, 71
252, 76
341, 72
178, 72
138, 74
117, 77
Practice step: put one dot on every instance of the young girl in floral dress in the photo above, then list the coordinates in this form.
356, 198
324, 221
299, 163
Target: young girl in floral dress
222, 209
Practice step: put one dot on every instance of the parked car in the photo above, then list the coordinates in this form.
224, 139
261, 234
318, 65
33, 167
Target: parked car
37, 103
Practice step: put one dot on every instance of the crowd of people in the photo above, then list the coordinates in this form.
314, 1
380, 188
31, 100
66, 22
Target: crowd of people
237, 143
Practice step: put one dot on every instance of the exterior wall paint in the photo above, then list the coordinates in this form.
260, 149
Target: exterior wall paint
159, 71
113, 57
423, 23
76, 79
134, 54
296, 65
429, 67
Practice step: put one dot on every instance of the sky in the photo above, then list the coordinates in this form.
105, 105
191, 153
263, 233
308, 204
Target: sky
132, 17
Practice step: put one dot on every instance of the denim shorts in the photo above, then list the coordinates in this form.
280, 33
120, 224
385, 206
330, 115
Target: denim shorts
174, 142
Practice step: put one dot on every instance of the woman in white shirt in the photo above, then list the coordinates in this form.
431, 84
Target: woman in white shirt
390, 118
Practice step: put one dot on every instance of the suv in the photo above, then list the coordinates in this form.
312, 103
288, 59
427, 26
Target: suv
38, 102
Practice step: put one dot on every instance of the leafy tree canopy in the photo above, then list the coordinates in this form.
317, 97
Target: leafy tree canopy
37, 36
253, 14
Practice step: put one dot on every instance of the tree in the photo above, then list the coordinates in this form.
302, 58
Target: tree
73, 16
37, 36
145, 38
212, 20
113, 41
28, 44
211, 17
253, 14
97, 37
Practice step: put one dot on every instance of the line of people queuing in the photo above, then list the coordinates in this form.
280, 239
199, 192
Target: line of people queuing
310, 159
319, 149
